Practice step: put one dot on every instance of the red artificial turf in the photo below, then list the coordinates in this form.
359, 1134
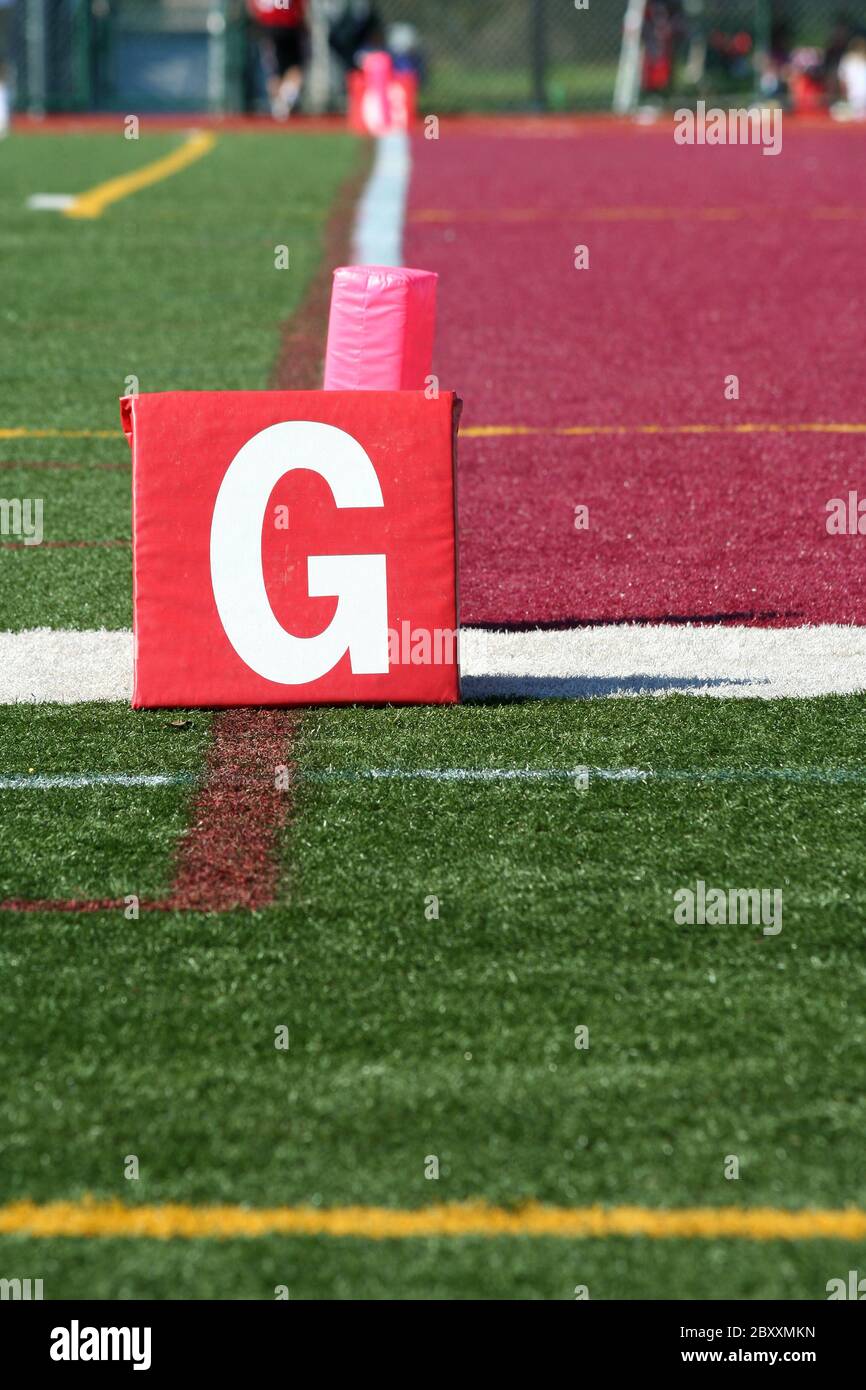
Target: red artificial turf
704, 262
228, 856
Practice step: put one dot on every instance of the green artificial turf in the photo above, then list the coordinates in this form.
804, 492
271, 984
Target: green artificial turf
455, 1037
470, 1268
66, 588
408, 1036
94, 842
175, 285
455, 86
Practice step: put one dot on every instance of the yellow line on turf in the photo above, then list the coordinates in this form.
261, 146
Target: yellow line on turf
600, 214
637, 213
94, 201
90, 1218
505, 431
21, 432
501, 431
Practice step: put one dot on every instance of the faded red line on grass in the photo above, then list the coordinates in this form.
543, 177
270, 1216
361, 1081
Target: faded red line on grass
55, 465
227, 858
300, 363
118, 543
60, 904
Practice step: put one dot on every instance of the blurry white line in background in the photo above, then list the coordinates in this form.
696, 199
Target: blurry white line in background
35, 47
50, 202
216, 60
317, 83
378, 234
627, 89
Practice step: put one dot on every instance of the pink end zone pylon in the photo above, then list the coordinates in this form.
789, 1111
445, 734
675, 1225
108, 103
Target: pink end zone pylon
381, 329
378, 71
381, 100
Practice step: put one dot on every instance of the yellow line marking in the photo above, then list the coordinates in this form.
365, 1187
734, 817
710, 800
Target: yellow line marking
90, 1218
600, 214
635, 213
847, 214
21, 432
94, 201
503, 431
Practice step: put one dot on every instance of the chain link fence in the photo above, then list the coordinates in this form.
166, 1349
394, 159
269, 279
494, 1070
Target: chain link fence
473, 55
49, 54
130, 55
517, 54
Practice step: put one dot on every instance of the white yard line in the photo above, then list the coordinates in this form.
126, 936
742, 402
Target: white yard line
829, 776
378, 234
42, 782
68, 667
582, 776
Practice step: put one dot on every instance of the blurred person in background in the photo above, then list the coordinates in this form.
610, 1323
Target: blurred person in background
852, 80
806, 80
731, 55
774, 64
356, 28
404, 44
664, 29
840, 36
282, 37
658, 47
5, 50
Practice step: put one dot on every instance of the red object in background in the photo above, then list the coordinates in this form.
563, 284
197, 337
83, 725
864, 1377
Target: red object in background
657, 74
807, 93
271, 13
293, 547
365, 106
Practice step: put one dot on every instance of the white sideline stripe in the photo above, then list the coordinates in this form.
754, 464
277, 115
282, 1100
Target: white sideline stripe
42, 782
67, 667
378, 233
664, 659
50, 202
64, 667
